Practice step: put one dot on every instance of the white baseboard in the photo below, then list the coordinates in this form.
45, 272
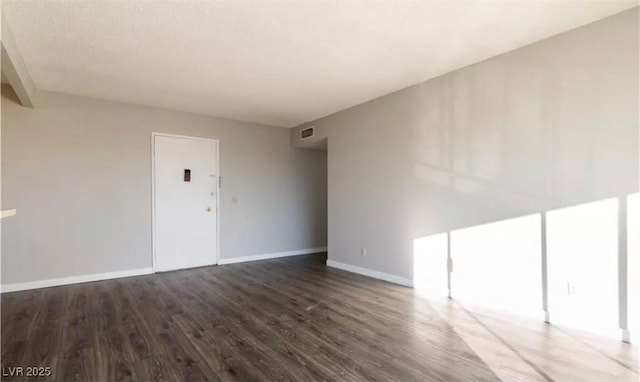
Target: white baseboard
371, 273
138, 272
275, 255
6, 288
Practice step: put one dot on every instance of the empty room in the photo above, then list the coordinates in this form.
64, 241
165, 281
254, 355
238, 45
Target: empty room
320, 190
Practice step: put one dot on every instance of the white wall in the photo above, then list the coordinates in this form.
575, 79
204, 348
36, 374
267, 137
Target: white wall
79, 172
550, 125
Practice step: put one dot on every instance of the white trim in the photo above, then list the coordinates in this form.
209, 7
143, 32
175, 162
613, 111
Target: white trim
275, 255
626, 336
371, 273
153, 201
183, 136
153, 193
74, 280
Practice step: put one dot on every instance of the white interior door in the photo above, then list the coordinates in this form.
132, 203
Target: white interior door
185, 200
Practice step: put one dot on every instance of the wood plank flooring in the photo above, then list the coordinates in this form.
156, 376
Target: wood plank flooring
288, 319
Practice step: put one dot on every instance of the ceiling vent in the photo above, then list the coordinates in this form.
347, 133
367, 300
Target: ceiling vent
307, 133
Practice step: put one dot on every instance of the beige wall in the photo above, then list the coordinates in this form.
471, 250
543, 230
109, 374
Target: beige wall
79, 172
549, 125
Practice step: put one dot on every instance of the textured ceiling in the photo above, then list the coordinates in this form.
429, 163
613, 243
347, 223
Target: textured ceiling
278, 63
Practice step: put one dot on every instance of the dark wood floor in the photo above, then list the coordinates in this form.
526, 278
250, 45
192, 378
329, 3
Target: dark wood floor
285, 319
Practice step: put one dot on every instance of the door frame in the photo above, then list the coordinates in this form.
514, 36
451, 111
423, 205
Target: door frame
153, 192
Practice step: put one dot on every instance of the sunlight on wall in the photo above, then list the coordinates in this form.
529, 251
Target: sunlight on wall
582, 253
430, 265
498, 265
633, 275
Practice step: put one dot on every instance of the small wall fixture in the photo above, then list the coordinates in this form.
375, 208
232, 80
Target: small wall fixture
306, 133
7, 213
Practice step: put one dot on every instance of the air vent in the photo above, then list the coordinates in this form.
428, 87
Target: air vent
306, 133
